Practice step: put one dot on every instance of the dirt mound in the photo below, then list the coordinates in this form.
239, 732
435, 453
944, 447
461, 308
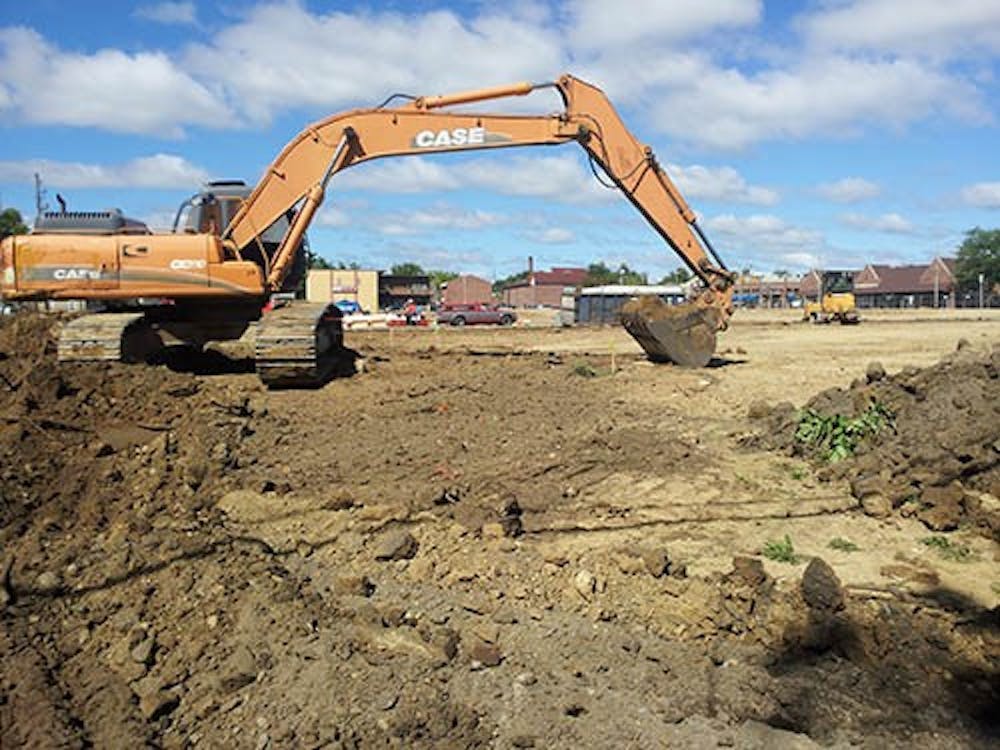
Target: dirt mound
924, 441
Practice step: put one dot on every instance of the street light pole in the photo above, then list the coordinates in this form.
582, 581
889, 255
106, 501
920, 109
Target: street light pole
980, 291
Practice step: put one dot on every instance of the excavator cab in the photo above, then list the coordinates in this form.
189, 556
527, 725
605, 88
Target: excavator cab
211, 210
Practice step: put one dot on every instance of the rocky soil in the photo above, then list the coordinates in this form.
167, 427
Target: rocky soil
472, 546
938, 455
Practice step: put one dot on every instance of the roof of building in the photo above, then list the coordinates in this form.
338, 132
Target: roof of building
555, 277
466, 277
903, 279
612, 290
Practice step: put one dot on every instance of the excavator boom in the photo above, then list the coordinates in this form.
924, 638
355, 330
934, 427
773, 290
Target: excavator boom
299, 175
238, 267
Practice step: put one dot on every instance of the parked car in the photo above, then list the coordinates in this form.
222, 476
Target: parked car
348, 306
475, 314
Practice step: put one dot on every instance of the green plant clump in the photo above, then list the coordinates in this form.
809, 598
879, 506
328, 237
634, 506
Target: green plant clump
585, 370
780, 550
948, 549
844, 545
836, 436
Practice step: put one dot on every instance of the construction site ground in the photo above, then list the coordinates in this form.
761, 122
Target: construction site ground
526, 537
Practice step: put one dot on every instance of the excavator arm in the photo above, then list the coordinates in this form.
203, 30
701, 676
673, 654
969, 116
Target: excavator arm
298, 177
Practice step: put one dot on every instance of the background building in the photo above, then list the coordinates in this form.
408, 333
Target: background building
466, 289
766, 290
335, 284
929, 285
543, 288
394, 291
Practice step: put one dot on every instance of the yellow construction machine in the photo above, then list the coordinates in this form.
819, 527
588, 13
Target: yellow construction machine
834, 306
215, 278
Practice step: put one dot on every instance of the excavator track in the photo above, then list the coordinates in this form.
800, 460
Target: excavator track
298, 345
108, 337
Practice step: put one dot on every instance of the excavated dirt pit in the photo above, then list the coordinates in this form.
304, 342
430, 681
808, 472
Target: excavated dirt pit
480, 541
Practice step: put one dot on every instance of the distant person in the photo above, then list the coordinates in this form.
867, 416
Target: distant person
410, 312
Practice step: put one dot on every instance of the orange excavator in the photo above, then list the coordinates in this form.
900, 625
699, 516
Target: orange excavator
218, 274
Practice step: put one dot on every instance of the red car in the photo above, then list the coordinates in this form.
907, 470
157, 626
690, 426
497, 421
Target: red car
475, 313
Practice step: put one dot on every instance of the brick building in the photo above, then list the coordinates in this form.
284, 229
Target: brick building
927, 285
543, 288
466, 289
765, 290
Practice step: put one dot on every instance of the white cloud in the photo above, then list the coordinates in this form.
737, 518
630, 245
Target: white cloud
561, 178
412, 175
729, 109
439, 217
720, 184
551, 236
849, 190
598, 24
766, 241
918, 27
281, 55
331, 216
164, 171
131, 93
890, 222
168, 13
982, 194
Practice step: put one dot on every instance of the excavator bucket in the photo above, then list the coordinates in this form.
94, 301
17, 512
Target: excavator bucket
682, 334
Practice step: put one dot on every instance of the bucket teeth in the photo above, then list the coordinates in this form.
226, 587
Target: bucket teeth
682, 334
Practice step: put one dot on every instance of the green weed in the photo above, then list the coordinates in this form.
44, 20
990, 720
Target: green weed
585, 370
799, 473
950, 550
843, 545
837, 436
780, 550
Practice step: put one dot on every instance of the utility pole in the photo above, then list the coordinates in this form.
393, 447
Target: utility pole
40, 205
980, 291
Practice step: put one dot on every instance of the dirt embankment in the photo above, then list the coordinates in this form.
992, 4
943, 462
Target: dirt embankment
936, 454
192, 561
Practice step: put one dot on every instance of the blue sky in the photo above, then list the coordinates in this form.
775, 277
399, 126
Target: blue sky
827, 133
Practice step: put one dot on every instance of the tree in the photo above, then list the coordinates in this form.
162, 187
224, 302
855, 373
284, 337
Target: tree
677, 276
315, 260
11, 223
408, 269
499, 284
598, 274
978, 254
440, 277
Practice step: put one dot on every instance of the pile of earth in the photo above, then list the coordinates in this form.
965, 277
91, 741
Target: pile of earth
938, 454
